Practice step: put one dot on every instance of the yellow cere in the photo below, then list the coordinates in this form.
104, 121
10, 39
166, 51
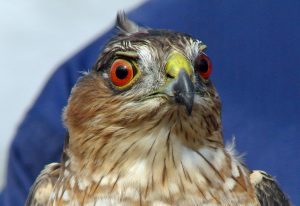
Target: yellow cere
177, 62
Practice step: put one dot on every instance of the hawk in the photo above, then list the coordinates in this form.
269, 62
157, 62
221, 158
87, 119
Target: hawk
144, 128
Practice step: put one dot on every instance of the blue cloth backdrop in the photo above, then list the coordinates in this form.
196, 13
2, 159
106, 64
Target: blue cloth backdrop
255, 49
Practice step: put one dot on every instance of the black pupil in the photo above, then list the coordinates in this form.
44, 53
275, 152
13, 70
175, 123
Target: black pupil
121, 72
203, 66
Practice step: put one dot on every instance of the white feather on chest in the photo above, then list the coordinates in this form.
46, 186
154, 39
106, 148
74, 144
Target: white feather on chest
197, 165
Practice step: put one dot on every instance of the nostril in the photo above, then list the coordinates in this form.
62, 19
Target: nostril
173, 73
170, 76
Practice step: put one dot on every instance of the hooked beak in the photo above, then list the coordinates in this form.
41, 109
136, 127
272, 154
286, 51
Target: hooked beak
180, 85
183, 89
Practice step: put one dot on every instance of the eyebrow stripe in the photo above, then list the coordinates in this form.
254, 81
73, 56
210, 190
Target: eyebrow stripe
130, 54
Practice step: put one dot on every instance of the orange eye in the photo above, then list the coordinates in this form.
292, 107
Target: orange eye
203, 66
121, 73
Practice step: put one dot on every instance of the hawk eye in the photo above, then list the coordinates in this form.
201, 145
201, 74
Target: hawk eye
203, 66
122, 73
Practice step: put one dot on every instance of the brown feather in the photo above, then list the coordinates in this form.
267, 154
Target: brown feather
135, 147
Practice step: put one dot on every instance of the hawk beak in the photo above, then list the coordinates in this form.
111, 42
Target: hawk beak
180, 86
183, 89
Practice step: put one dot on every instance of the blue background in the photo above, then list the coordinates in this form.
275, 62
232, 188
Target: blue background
255, 49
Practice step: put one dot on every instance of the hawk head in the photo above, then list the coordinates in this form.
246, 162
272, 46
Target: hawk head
149, 90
